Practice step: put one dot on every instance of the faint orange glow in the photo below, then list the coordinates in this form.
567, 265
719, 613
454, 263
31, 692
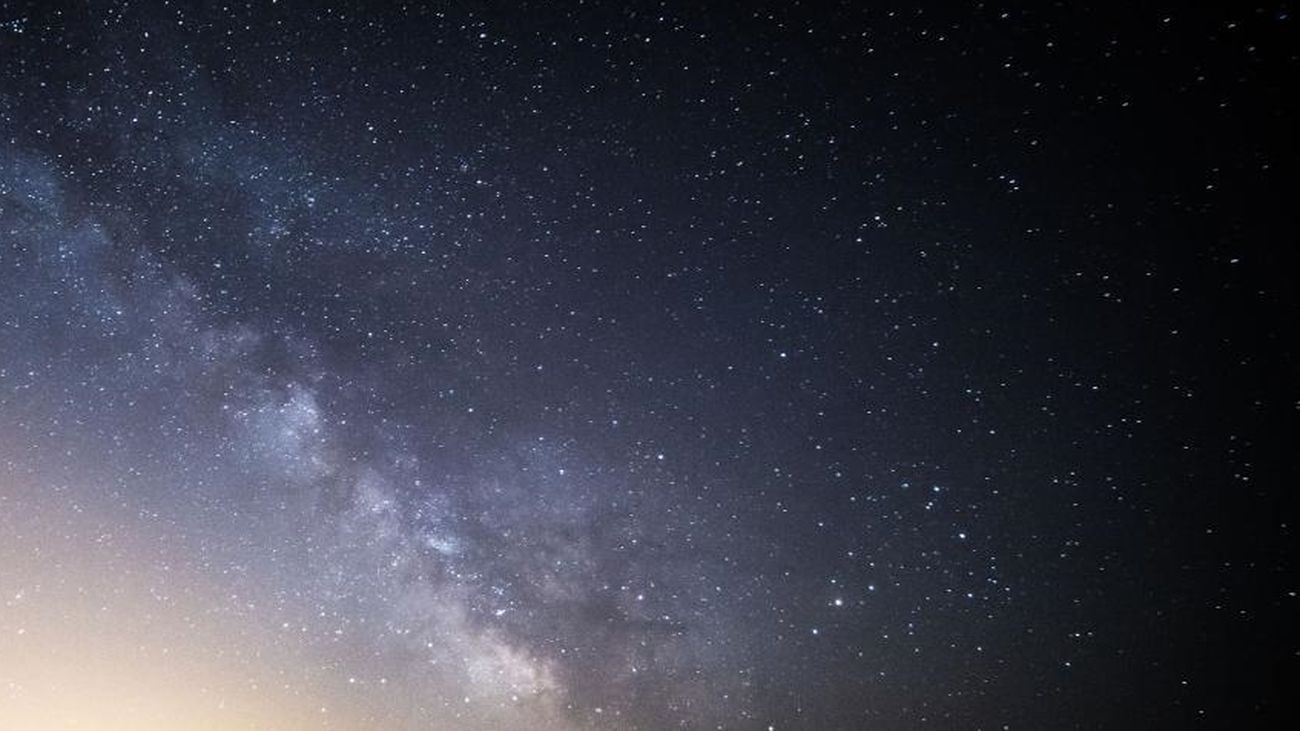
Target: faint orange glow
99, 630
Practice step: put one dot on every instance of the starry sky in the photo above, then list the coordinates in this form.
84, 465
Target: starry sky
579, 366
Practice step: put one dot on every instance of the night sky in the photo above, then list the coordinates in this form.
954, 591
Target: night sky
583, 366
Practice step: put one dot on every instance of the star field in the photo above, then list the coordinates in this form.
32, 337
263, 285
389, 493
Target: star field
645, 366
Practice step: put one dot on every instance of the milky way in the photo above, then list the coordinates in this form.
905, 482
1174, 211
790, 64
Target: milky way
590, 366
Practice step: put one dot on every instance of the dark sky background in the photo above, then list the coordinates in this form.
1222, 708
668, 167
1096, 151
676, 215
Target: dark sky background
596, 366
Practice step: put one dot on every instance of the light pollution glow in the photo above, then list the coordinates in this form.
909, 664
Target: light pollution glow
96, 635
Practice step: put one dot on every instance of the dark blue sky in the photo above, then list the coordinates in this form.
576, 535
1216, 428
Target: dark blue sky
587, 366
